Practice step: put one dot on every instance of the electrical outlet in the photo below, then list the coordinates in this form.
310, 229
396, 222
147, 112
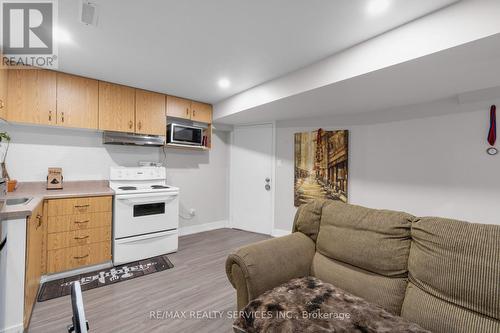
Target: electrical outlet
192, 212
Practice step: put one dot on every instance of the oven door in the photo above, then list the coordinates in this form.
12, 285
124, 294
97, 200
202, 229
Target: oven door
145, 213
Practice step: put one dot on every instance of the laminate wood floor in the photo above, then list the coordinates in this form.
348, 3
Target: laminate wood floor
198, 282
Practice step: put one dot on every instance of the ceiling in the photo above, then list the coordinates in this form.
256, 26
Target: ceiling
467, 70
185, 47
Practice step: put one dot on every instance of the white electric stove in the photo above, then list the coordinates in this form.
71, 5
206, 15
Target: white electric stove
145, 213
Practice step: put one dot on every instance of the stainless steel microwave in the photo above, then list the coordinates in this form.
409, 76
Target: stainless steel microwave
184, 134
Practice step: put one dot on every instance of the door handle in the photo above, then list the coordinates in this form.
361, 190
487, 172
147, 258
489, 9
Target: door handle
267, 187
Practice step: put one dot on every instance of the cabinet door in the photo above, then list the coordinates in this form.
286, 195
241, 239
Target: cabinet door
150, 115
34, 252
116, 107
201, 112
178, 107
77, 101
32, 96
3, 92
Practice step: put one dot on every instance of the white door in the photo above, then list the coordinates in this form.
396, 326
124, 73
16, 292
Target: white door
252, 178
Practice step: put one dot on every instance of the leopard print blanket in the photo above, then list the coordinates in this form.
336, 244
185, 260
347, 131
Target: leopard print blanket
308, 305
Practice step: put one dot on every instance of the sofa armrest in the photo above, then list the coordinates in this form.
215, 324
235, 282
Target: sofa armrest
261, 266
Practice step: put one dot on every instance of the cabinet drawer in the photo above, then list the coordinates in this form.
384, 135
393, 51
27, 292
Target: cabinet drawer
63, 240
78, 256
79, 222
72, 206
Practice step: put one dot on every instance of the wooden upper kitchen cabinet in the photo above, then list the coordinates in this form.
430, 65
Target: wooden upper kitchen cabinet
116, 107
3, 92
201, 112
77, 101
32, 96
150, 115
35, 256
178, 107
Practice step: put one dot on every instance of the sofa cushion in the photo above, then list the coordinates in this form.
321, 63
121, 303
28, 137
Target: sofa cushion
387, 292
310, 305
458, 264
308, 217
374, 240
439, 316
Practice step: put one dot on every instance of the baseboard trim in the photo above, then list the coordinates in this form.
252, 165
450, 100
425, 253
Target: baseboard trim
194, 229
13, 329
78, 271
280, 232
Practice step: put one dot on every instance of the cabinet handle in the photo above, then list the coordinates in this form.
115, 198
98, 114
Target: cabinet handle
50, 115
81, 222
62, 117
81, 206
82, 257
39, 218
80, 238
130, 124
187, 111
139, 125
194, 113
1, 104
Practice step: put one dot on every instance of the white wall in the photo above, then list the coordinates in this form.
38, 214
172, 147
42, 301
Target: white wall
201, 176
430, 166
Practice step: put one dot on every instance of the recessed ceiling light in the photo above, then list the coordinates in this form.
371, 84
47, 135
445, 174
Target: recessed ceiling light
376, 7
224, 83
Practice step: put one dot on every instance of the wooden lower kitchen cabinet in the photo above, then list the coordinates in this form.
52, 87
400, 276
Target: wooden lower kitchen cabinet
35, 253
72, 206
78, 256
79, 232
67, 239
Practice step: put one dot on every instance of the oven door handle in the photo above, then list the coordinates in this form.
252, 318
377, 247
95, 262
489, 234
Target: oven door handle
148, 200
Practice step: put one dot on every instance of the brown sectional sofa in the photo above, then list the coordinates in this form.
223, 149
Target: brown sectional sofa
441, 274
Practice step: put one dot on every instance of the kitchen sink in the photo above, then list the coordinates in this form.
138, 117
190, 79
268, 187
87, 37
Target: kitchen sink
17, 201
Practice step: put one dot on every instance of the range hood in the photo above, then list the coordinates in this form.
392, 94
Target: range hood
118, 138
